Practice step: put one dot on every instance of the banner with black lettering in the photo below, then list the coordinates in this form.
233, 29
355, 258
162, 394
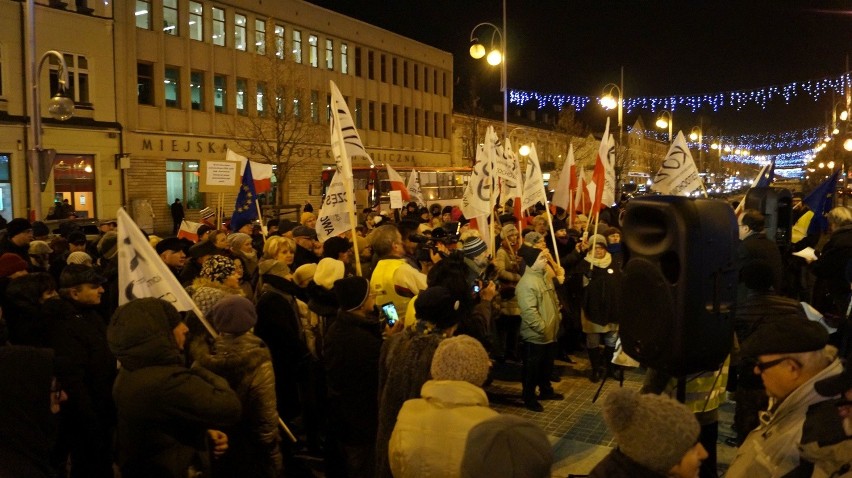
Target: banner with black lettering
533, 182
678, 175
476, 201
333, 218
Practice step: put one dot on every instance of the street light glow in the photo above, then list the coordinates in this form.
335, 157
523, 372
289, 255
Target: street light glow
524, 150
494, 57
662, 123
847, 145
477, 50
608, 102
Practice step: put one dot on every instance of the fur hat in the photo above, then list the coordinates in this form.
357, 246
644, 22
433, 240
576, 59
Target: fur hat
438, 305
108, 245
784, 334
508, 229
218, 268
11, 263
461, 358
39, 247
17, 226
334, 246
78, 274
286, 225
351, 292
79, 257
304, 274
652, 430
328, 271
473, 247
506, 446
233, 315
238, 239
611, 230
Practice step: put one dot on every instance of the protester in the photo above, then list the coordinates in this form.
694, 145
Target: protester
827, 446
830, 294
393, 279
40, 252
755, 248
306, 239
172, 251
22, 308
197, 255
167, 413
17, 238
507, 446
177, 215
509, 267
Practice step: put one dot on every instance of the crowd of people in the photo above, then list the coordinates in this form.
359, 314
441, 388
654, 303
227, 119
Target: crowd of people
372, 352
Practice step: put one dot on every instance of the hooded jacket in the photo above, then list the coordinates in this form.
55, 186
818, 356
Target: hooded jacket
164, 408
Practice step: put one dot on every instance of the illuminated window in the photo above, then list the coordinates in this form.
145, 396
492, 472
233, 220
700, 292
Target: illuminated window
170, 17
344, 58
297, 46
242, 96
261, 100
240, 32
279, 42
329, 54
218, 26
172, 86
196, 21
196, 90
220, 94
314, 106
313, 41
143, 14
260, 37
182, 183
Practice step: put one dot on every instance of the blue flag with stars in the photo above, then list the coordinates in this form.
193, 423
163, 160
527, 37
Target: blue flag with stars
245, 209
820, 201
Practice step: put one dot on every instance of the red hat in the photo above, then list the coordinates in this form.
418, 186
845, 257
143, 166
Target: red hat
11, 263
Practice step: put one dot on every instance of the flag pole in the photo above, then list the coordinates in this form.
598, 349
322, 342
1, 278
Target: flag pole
350, 204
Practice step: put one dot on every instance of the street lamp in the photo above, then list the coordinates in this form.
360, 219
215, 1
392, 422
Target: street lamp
60, 107
524, 149
697, 135
497, 56
665, 121
608, 101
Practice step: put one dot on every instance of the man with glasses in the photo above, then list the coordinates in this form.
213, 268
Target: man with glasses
790, 355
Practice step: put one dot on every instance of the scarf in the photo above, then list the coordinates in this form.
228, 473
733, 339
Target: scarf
603, 263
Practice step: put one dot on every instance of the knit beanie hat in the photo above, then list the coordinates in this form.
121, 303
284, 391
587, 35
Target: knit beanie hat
17, 226
78, 274
351, 292
334, 246
108, 245
437, 305
473, 247
40, 247
233, 315
597, 239
304, 273
652, 430
533, 237
461, 358
11, 263
79, 257
238, 239
218, 268
328, 271
506, 446
508, 229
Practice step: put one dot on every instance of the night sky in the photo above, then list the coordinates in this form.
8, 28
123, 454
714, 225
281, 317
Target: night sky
666, 48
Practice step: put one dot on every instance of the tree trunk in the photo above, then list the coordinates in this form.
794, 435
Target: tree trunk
283, 194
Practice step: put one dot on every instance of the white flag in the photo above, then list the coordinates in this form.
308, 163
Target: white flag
141, 272
562, 193
415, 192
477, 195
678, 175
333, 216
533, 182
607, 153
345, 141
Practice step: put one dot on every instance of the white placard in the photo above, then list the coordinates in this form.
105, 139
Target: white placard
395, 199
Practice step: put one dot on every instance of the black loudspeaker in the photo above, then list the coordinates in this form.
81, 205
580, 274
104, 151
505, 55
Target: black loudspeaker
679, 283
777, 205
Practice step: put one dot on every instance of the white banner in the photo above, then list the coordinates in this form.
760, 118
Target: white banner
345, 141
607, 153
678, 175
333, 218
477, 195
562, 192
533, 182
414, 190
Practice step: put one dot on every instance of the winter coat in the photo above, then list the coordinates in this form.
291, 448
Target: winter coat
826, 449
205, 293
618, 465
508, 271
601, 295
351, 356
278, 325
430, 433
404, 366
303, 256
771, 450
244, 361
539, 307
831, 288
756, 248
164, 408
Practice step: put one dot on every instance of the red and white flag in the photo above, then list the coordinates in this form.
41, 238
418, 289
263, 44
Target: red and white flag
397, 184
602, 188
567, 182
189, 230
261, 173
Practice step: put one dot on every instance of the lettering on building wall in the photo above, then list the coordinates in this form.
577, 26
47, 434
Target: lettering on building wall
181, 146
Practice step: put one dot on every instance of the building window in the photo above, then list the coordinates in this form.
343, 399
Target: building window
220, 93
172, 81
182, 183
371, 115
196, 90
435, 131
5, 188
416, 76
143, 14
426, 123
435, 81
384, 111
261, 99
406, 120
329, 54
328, 107
279, 42
446, 126
426, 79
260, 37
313, 41
280, 95
382, 65
444, 81
344, 58
370, 70
78, 77
358, 122
145, 83
297, 46
396, 119
394, 76
240, 32
405, 74
314, 106
242, 96
358, 61
417, 121
170, 17
196, 21
218, 26
297, 104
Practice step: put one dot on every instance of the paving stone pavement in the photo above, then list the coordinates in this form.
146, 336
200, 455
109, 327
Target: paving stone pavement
575, 425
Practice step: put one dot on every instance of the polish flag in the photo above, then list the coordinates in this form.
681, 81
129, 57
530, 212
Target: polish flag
260, 172
397, 184
189, 230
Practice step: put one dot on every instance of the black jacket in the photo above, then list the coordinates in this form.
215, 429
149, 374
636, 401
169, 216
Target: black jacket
831, 289
618, 465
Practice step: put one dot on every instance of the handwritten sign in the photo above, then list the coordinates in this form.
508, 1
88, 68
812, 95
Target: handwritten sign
219, 176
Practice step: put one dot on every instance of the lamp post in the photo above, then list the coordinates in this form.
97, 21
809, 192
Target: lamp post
665, 121
697, 135
608, 101
60, 107
524, 149
497, 56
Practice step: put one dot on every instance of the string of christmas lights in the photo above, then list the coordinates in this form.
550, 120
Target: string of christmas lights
735, 99
760, 142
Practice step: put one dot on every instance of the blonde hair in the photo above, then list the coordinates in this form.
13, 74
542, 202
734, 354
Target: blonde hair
276, 245
839, 216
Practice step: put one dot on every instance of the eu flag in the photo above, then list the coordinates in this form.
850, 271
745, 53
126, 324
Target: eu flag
820, 201
245, 209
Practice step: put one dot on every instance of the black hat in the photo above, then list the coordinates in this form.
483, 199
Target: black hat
78, 274
438, 305
203, 229
508, 218
77, 237
170, 244
40, 229
203, 248
351, 292
286, 225
334, 246
447, 210
785, 334
303, 231
529, 254
17, 226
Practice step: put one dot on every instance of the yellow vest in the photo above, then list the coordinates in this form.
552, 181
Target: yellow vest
383, 285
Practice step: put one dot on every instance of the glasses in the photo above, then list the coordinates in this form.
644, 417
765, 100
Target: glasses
764, 366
